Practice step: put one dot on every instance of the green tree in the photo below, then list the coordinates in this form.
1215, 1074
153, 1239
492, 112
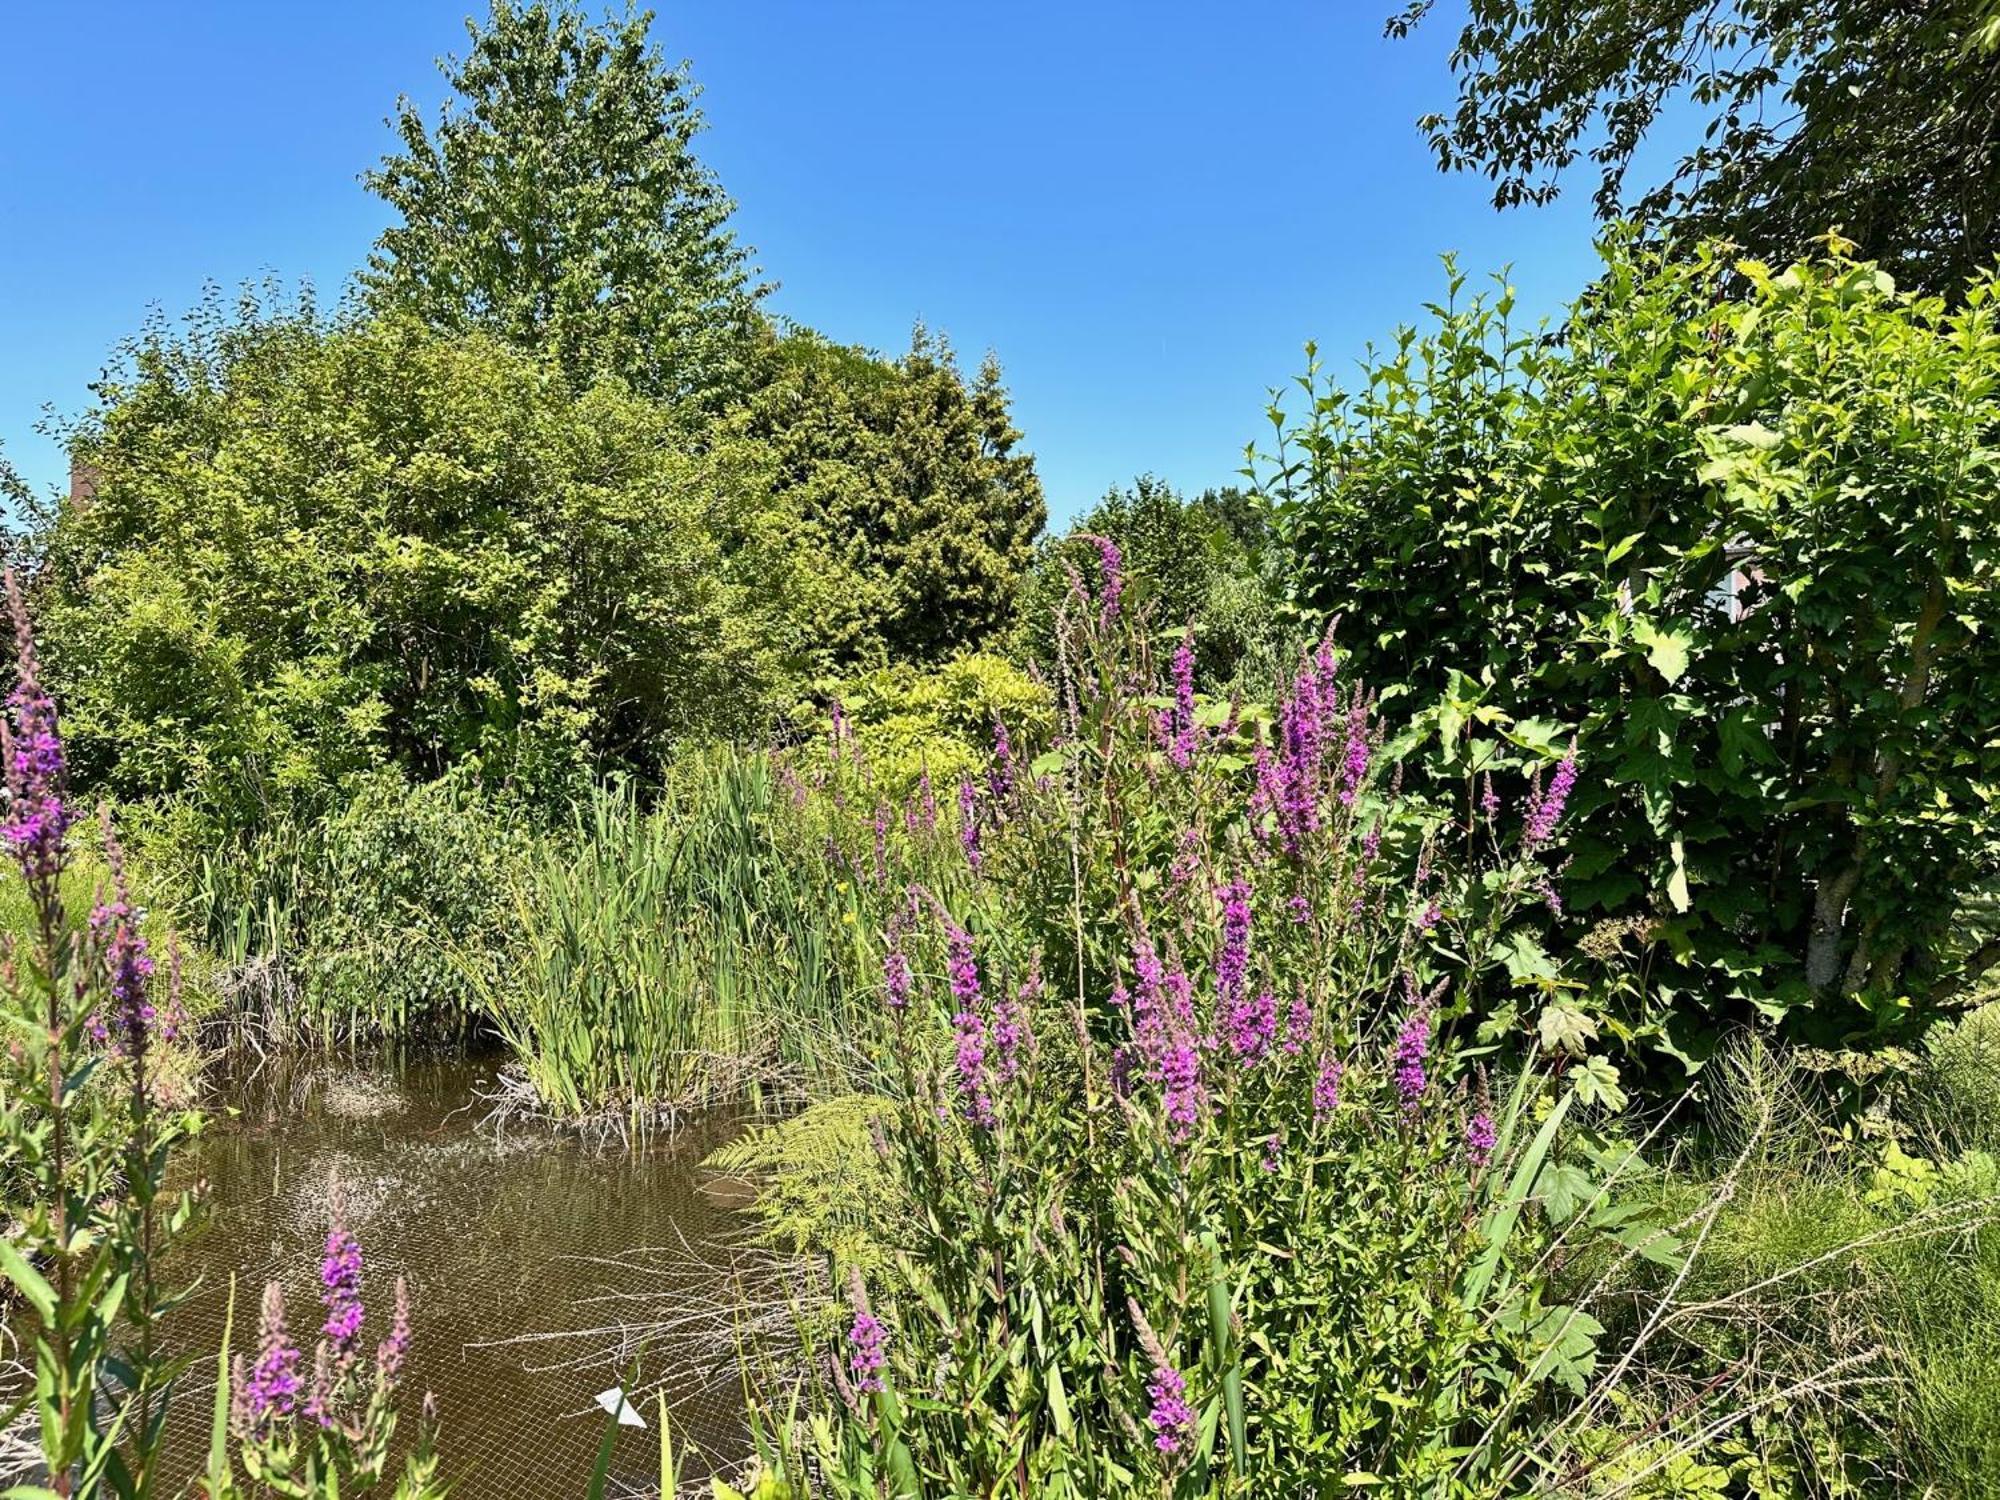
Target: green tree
559, 206
1195, 561
1879, 117
313, 550
902, 509
1738, 530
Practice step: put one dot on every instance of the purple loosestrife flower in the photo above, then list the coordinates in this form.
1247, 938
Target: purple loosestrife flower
394, 1351
1480, 1138
1171, 1418
128, 968
881, 842
319, 1397
1326, 1088
1413, 1045
1251, 1026
1274, 1153
1149, 1019
1124, 1068
968, 824
1545, 809
1354, 763
1182, 1098
38, 818
837, 738
1011, 1028
1000, 780
1234, 960
272, 1388
896, 979
340, 1280
1187, 863
1489, 800
970, 1026
1298, 1026
921, 815
869, 1342
1551, 897
1111, 562
867, 1339
1186, 739
1267, 789
1301, 910
1180, 999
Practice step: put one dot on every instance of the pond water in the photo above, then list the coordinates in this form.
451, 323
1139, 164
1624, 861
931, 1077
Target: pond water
534, 1261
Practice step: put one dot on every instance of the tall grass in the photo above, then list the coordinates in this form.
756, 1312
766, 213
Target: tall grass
664, 956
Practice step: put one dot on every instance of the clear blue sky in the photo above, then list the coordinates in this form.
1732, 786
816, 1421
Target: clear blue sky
1145, 209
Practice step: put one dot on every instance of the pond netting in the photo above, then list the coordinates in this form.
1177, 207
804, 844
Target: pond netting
542, 1271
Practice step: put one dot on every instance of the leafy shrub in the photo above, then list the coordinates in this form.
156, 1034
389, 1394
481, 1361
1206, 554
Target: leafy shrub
412, 876
912, 722
311, 551
1736, 529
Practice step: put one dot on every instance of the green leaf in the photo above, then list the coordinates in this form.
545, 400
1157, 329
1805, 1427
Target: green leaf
1677, 883
39, 1293
1597, 1082
1565, 1028
1666, 650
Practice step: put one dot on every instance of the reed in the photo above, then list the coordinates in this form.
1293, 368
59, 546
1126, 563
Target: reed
665, 956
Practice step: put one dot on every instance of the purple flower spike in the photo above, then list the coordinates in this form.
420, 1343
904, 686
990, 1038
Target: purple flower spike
1232, 963
272, 1387
1298, 1026
1181, 1095
394, 1351
1185, 740
1252, 1025
1413, 1045
1326, 1088
968, 824
1545, 809
970, 1026
1111, 562
38, 818
340, 1277
1480, 1139
1000, 781
1171, 1418
1354, 764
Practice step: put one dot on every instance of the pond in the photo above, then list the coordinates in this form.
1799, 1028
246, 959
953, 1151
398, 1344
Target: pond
535, 1260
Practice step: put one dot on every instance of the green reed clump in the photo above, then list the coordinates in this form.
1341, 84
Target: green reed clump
663, 956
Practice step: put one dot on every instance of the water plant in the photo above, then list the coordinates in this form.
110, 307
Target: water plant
300, 1436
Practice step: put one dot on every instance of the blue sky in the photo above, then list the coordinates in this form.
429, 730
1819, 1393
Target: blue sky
1145, 209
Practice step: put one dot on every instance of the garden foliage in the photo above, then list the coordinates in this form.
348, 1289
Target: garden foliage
1734, 529
310, 551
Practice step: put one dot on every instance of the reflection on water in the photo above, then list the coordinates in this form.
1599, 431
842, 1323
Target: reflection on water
531, 1257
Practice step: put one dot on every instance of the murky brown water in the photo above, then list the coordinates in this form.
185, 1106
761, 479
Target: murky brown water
533, 1260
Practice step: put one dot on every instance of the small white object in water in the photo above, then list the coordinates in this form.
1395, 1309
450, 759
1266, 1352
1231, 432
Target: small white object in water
614, 1402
